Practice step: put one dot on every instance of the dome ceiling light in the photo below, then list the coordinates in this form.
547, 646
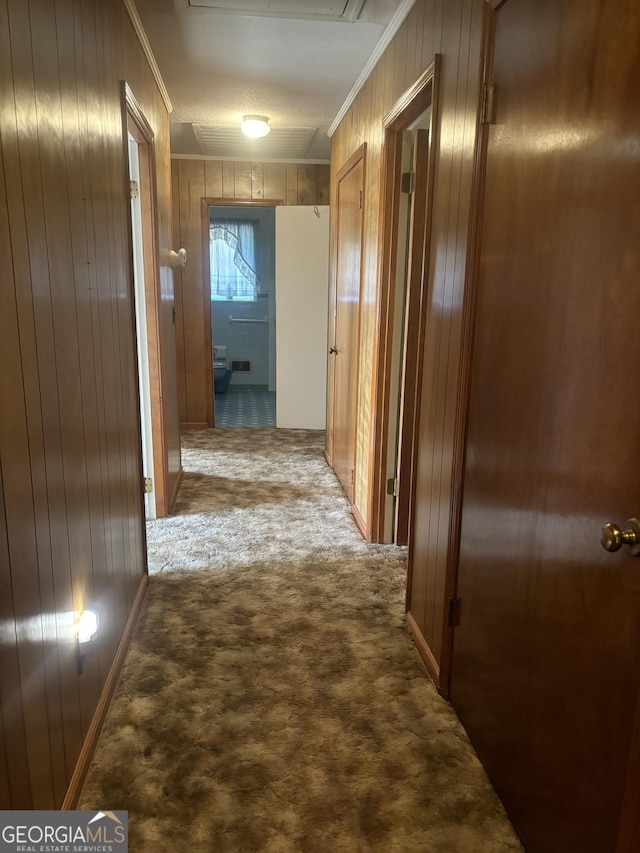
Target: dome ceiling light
255, 126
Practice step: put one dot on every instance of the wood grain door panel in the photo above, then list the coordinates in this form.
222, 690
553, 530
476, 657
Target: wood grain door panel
347, 322
546, 664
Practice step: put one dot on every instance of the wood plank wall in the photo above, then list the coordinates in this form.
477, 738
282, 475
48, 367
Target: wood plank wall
71, 510
292, 183
452, 28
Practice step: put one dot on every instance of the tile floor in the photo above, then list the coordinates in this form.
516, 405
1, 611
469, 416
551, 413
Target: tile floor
246, 406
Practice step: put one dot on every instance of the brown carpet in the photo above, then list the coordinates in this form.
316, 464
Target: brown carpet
272, 698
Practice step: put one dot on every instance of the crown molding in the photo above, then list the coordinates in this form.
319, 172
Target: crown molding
392, 28
251, 159
144, 41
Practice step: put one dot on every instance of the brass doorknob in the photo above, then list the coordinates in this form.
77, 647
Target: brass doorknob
613, 538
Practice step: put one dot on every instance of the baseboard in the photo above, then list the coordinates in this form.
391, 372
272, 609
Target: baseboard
194, 425
91, 741
424, 651
176, 486
360, 522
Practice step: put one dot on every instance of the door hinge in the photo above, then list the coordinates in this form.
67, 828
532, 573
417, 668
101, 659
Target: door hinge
454, 613
392, 486
360, 201
133, 189
148, 485
173, 314
353, 476
487, 104
408, 182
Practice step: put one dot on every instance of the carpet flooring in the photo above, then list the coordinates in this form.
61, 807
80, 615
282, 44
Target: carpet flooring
272, 698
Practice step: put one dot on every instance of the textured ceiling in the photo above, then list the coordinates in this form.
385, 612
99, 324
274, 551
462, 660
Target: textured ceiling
218, 65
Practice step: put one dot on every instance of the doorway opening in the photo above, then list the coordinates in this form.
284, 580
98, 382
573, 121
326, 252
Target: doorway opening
243, 294
141, 165
408, 187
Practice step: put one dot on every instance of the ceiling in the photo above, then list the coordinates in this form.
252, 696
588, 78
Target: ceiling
295, 61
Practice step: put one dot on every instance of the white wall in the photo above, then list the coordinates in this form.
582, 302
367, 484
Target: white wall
302, 288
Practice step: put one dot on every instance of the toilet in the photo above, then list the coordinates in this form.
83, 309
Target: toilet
221, 371
220, 363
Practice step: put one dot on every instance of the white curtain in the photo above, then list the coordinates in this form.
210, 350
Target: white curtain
233, 260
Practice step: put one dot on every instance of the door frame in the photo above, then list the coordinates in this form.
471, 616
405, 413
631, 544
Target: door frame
135, 122
472, 275
205, 203
422, 94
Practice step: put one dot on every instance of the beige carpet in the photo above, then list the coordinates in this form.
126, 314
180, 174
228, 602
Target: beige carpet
272, 698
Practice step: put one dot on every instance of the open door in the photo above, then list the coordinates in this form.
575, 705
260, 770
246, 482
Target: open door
408, 168
546, 657
302, 282
147, 299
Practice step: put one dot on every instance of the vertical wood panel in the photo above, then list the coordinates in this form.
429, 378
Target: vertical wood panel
228, 179
292, 184
243, 181
213, 178
257, 181
71, 530
307, 184
274, 180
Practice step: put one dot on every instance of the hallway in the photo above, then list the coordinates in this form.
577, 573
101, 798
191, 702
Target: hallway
272, 698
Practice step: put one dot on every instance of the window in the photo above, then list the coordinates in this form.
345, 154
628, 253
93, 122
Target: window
232, 254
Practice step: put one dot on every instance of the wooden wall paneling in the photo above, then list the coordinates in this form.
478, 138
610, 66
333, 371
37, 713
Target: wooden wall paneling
456, 401
292, 184
191, 192
257, 180
18, 723
323, 184
34, 316
5, 793
212, 178
435, 483
410, 70
70, 436
307, 184
91, 363
400, 64
275, 181
243, 180
72, 579
105, 352
452, 29
228, 179
79, 199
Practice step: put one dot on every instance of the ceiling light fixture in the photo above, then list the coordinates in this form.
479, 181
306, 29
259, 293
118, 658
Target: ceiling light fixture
255, 126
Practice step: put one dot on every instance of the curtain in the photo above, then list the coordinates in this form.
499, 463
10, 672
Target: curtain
233, 260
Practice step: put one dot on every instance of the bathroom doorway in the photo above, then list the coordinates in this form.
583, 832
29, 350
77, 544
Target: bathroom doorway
241, 273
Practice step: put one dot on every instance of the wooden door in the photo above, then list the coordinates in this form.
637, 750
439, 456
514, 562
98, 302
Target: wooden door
546, 660
345, 348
